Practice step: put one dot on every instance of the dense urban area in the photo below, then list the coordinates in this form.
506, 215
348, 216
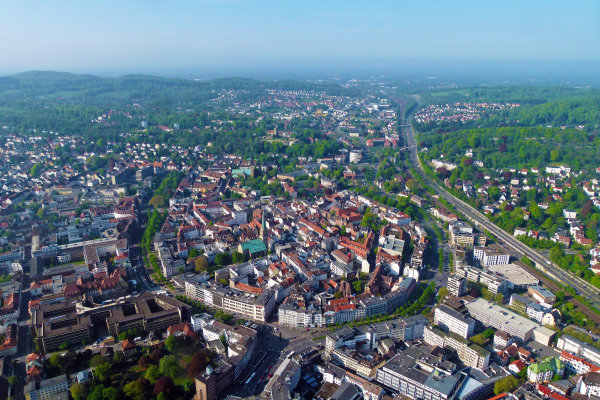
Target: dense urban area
361, 239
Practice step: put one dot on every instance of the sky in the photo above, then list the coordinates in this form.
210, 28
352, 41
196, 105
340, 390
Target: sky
238, 37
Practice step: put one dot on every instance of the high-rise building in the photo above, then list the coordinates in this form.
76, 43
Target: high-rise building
456, 285
211, 382
453, 321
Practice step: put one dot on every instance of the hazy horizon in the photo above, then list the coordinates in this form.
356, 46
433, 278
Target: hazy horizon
210, 38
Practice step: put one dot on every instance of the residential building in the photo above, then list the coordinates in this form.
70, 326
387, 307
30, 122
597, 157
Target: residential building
495, 316
578, 348
456, 285
577, 365
471, 354
48, 389
543, 372
542, 294
419, 375
453, 321
489, 257
213, 381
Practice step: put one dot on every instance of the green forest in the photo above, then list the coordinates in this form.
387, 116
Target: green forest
514, 147
524, 95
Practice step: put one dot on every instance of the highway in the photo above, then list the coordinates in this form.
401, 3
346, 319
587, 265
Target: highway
516, 247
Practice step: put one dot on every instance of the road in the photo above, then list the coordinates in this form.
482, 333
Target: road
276, 349
24, 346
515, 246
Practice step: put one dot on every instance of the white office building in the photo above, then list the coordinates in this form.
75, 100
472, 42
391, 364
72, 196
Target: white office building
453, 321
487, 256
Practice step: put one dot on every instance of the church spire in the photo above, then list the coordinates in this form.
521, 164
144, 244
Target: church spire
263, 227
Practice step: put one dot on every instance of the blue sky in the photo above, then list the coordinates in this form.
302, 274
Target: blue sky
238, 35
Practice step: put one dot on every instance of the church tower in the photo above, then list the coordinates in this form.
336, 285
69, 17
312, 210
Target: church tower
263, 229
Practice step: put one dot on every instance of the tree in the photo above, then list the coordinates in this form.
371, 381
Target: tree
499, 298
96, 393
96, 361
55, 360
442, 294
64, 346
145, 362
479, 339
169, 366
103, 371
158, 201
488, 333
118, 357
138, 390
172, 343
358, 286
153, 373
506, 385
237, 257
164, 385
223, 259
156, 355
79, 391
411, 185
123, 336
201, 264
368, 219
193, 253
110, 393
223, 316
12, 380
35, 171
199, 362
188, 387
224, 281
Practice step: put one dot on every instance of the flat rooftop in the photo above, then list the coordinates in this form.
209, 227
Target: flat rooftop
501, 314
515, 274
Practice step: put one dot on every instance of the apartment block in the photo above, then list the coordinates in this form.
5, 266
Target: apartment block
578, 348
453, 321
48, 389
213, 381
419, 375
251, 302
457, 286
489, 257
471, 354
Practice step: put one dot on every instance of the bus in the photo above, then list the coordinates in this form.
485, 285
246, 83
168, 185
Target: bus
250, 378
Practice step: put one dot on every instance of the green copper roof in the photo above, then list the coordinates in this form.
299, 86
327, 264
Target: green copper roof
549, 364
254, 246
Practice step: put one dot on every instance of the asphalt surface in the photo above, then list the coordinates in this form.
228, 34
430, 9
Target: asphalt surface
517, 248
